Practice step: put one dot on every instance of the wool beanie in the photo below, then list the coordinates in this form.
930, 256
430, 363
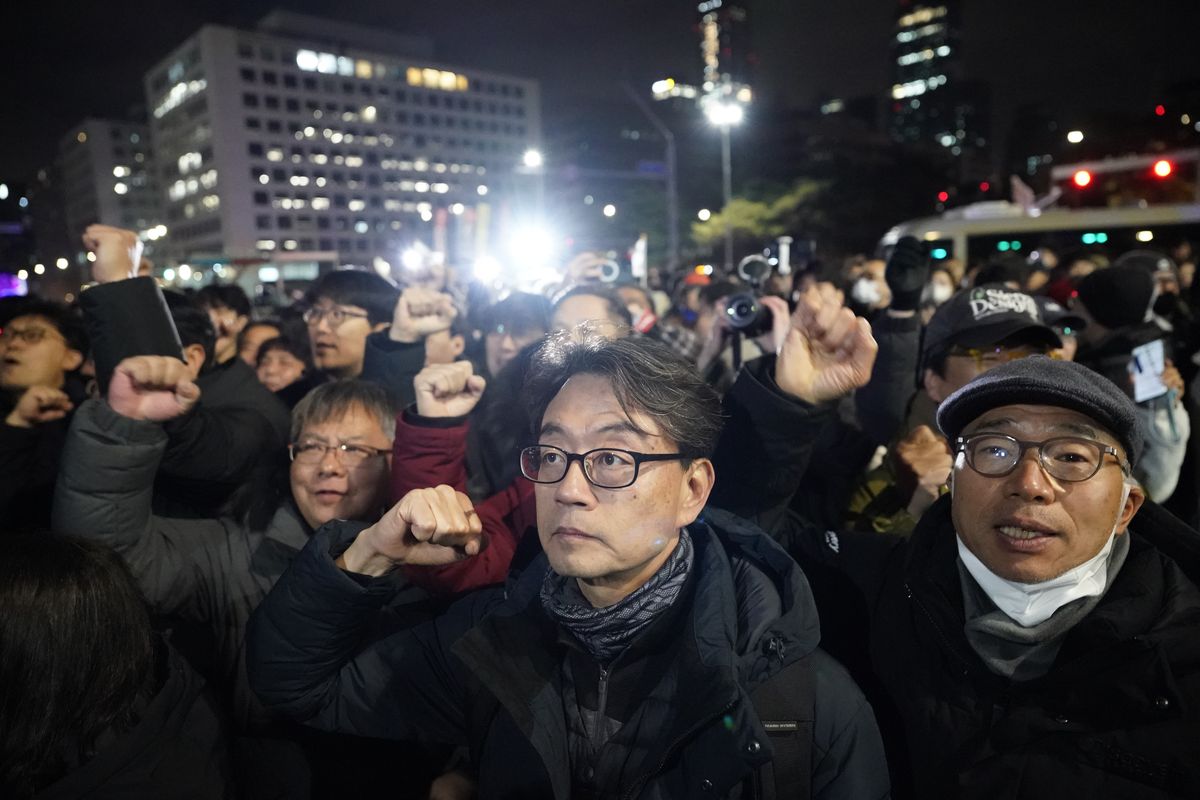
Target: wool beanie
1117, 297
1043, 381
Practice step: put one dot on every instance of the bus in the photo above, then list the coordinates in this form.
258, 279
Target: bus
974, 233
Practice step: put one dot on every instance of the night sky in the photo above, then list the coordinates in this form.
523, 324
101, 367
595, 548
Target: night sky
61, 66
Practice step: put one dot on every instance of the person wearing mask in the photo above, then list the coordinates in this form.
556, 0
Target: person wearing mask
1032, 638
615, 663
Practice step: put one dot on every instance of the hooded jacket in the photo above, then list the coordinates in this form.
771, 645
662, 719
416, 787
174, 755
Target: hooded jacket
490, 674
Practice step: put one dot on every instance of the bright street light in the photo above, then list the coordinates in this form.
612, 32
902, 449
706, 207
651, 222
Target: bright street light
1074, 137
610, 210
704, 215
61, 263
532, 159
724, 113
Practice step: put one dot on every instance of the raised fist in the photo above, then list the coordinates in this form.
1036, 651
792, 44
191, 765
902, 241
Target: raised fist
428, 527
923, 462
118, 253
154, 388
448, 390
39, 404
420, 312
828, 352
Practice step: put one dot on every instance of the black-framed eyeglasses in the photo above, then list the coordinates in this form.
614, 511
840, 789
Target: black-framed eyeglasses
350, 455
335, 314
604, 467
1066, 458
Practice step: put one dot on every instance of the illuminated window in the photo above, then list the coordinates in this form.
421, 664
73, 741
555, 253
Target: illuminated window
362, 69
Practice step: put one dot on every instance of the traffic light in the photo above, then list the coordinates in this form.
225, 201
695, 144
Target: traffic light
1082, 178
943, 196
1163, 168
1160, 110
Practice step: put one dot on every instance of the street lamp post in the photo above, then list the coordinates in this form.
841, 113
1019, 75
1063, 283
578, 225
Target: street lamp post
725, 112
727, 190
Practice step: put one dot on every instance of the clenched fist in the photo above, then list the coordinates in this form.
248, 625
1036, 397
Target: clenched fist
828, 352
153, 388
448, 390
420, 312
118, 253
428, 527
39, 404
924, 461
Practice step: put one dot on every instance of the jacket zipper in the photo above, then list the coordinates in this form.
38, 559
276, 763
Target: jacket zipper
941, 634
602, 694
636, 786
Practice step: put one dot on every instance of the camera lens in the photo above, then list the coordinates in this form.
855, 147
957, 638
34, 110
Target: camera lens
747, 316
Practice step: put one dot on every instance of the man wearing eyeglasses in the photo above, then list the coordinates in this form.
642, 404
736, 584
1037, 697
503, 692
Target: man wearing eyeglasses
211, 573
654, 648
973, 332
41, 350
1038, 635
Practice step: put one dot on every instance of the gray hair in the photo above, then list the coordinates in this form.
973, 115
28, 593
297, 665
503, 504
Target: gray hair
336, 399
646, 376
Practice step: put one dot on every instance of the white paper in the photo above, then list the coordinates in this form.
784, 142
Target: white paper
1146, 365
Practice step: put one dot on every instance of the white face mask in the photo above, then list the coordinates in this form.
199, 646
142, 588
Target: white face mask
866, 292
1033, 603
940, 292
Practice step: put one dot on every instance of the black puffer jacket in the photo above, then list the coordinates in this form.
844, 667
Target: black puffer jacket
490, 672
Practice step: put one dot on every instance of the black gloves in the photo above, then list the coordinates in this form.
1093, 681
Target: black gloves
906, 274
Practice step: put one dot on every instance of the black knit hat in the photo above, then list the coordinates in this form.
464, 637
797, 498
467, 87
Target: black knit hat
1043, 381
1117, 296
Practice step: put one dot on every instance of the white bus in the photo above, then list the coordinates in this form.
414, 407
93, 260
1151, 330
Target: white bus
974, 233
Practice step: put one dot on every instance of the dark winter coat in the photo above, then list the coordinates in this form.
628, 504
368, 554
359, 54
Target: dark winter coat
489, 674
1117, 715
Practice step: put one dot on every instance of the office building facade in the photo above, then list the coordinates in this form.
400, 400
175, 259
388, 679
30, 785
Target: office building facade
307, 135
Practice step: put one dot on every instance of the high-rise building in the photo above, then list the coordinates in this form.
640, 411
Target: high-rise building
105, 176
932, 102
309, 135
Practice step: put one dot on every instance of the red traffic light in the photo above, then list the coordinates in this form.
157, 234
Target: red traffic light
1160, 110
1162, 168
984, 186
1082, 178
943, 196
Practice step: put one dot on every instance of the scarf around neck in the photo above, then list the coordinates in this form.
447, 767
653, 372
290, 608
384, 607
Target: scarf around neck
606, 632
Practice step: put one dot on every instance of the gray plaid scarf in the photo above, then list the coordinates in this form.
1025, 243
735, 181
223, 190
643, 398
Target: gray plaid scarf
605, 632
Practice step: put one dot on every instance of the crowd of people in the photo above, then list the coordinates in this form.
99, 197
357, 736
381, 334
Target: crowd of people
917, 531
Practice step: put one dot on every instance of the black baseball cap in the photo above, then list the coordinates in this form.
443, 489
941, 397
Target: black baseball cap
985, 316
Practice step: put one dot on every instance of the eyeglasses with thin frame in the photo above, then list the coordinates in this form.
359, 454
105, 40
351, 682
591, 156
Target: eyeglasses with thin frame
26, 335
1066, 458
987, 357
604, 467
350, 455
335, 314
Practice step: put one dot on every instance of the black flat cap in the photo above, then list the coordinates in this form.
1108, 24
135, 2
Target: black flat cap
1043, 381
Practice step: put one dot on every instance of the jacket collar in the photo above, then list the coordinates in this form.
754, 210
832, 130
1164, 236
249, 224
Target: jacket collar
515, 653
